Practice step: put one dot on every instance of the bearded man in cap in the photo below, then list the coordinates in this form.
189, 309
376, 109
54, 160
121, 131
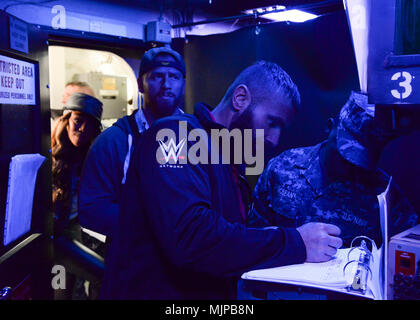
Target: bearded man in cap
336, 181
161, 80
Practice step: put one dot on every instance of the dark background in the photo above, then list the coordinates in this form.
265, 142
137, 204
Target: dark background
319, 57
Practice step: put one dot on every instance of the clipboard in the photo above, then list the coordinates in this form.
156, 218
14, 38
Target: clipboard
359, 270
23, 169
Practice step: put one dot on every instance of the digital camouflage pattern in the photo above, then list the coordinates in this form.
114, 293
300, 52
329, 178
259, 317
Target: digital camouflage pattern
291, 191
359, 138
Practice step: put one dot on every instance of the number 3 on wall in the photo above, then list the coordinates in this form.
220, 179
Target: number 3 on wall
406, 84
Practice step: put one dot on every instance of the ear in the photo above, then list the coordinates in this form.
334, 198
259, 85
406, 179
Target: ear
241, 98
330, 125
140, 84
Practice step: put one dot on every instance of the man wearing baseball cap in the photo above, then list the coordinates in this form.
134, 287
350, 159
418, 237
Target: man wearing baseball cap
336, 181
161, 81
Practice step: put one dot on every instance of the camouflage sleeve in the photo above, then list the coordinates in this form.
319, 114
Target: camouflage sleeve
260, 212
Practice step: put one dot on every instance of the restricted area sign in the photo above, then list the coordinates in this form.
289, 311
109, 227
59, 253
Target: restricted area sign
17, 81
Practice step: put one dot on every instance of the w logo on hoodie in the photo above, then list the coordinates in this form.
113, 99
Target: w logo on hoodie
204, 149
171, 150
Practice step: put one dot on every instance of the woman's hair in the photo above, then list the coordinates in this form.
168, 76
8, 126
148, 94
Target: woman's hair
64, 155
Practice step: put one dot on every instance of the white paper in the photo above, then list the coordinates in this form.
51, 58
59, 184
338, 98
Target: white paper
358, 12
94, 234
384, 207
23, 170
328, 273
325, 275
376, 266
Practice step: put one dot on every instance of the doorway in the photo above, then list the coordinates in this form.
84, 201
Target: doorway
112, 79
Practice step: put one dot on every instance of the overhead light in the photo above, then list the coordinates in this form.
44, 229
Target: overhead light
264, 9
290, 15
293, 15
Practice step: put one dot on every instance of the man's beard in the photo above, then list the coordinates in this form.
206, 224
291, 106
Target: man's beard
245, 121
163, 108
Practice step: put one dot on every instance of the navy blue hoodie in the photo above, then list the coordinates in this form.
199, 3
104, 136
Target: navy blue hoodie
182, 235
102, 175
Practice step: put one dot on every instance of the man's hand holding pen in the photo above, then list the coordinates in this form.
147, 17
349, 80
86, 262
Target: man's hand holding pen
321, 240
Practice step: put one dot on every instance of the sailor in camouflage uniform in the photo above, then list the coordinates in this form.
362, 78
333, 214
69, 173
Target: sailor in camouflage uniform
336, 181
